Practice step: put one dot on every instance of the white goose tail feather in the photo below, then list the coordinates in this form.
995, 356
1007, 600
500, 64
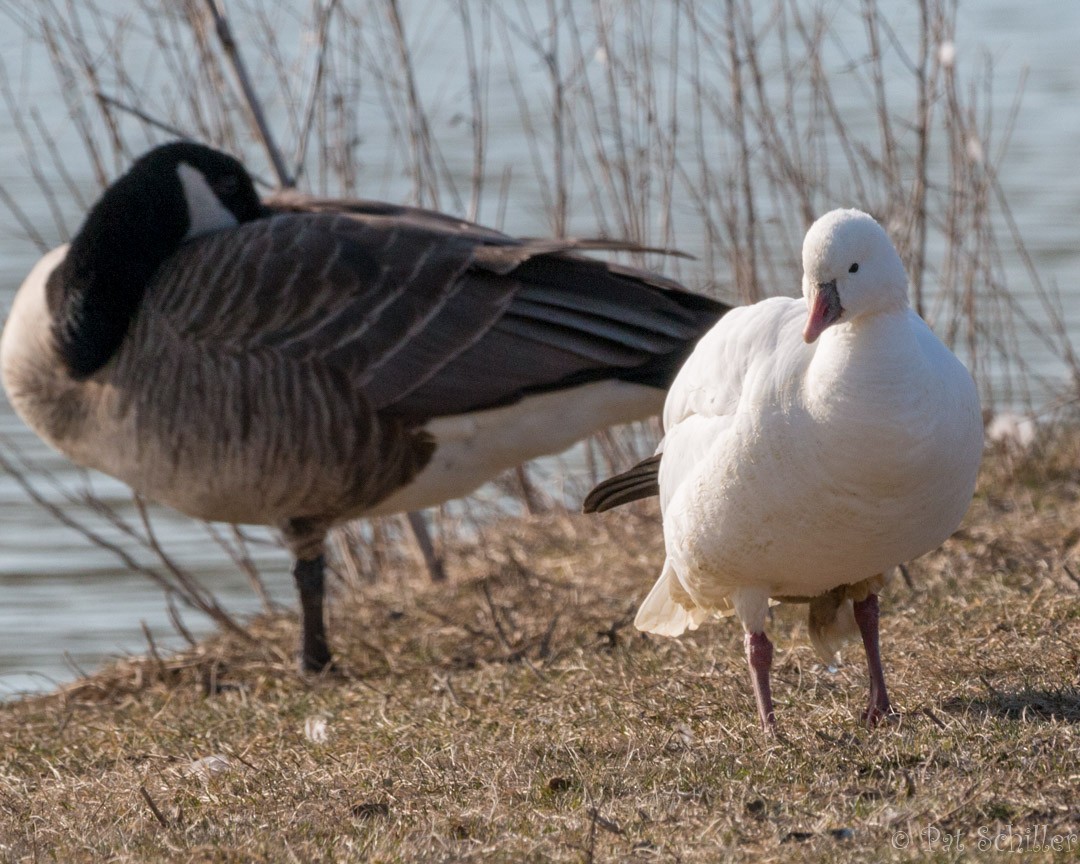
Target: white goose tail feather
829, 636
662, 614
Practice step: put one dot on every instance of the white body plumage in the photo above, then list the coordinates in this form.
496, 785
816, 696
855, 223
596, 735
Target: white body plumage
792, 467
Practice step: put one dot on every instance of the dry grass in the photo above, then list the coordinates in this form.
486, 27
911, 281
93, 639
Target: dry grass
514, 714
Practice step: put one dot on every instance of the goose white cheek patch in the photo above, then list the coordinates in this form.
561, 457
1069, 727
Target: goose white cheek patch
206, 213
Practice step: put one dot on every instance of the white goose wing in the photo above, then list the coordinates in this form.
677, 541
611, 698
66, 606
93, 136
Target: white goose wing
755, 344
742, 364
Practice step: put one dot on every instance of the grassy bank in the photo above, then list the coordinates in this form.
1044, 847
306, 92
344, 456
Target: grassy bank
514, 714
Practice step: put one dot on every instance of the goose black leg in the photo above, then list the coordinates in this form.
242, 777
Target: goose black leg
309, 574
423, 540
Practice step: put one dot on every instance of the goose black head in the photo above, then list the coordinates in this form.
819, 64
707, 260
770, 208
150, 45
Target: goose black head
169, 195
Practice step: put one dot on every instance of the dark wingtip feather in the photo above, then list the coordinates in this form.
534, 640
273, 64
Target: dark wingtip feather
641, 481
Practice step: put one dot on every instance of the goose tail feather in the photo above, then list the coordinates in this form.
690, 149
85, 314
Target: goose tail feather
641, 481
662, 614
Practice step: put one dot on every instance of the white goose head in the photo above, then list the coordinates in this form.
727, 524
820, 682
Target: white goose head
850, 270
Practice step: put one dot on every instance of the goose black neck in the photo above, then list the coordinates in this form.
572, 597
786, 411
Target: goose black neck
139, 222
96, 291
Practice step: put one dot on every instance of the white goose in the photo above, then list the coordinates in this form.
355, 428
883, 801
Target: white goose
810, 446
298, 362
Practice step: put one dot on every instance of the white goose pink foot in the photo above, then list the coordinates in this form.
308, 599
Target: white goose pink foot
810, 445
866, 616
759, 652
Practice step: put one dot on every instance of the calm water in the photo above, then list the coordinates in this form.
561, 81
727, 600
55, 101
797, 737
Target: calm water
65, 604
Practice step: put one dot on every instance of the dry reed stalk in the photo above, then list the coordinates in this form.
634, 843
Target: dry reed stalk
641, 120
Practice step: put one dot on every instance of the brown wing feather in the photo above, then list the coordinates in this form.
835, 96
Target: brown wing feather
266, 336
331, 337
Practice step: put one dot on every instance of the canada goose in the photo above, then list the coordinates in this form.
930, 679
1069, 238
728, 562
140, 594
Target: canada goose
810, 446
300, 362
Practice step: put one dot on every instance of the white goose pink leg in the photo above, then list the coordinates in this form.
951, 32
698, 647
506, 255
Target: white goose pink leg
759, 653
866, 616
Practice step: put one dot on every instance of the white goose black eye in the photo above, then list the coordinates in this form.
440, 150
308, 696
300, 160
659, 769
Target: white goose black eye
854, 268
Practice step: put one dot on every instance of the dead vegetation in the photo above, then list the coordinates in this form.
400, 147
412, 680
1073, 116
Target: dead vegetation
515, 714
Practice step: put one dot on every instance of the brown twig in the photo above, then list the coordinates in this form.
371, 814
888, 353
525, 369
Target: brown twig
154, 808
258, 117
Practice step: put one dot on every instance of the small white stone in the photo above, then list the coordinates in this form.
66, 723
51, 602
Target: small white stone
209, 766
1013, 430
316, 730
685, 733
